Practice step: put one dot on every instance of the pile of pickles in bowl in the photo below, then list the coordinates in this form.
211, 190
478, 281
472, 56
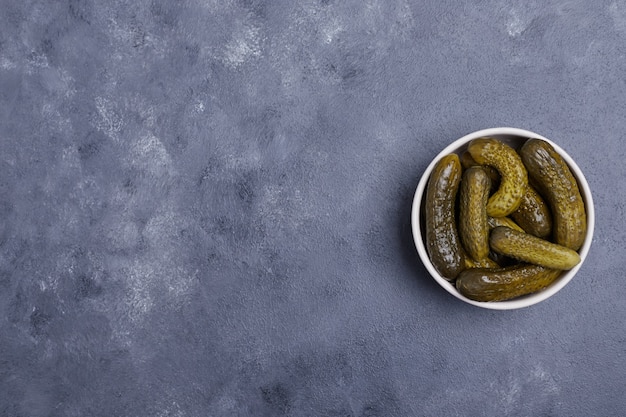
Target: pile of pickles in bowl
502, 218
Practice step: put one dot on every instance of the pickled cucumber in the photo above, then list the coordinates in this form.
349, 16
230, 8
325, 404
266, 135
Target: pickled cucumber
555, 182
514, 178
482, 263
533, 214
528, 248
467, 162
442, 238
502, 284
473, 227
494, 222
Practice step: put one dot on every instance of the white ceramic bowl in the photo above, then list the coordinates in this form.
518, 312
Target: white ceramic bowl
514, 137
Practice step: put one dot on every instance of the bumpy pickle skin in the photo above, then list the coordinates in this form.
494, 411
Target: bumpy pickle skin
513, 174
503, 284
482, 263
533, 214
494, 222
557, 184
528, 248
473, 227
467, 162
442, 239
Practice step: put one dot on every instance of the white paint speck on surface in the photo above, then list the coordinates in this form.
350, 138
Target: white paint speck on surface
110, 121
515, 25
510, 395
6, 63
68, 83
226, 403
617, 10
139, 301
244, 45
542, 377
330, 30
162, 234
171, 410
215, 5
149, 154
36, 60
199, 107
55, 120
250, 159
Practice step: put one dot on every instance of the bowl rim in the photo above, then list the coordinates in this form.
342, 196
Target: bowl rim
524, 301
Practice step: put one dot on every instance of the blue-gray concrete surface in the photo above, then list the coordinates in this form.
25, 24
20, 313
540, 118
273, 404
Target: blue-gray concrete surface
205, 207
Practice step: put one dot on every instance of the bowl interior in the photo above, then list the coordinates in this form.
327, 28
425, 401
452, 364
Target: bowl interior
515, 138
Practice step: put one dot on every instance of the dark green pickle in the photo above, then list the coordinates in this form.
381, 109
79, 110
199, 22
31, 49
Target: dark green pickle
533, 215
473, 227
442, 239
557, 184
503, 284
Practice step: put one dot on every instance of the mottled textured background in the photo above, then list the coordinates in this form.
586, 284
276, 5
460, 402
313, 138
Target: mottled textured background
204, 207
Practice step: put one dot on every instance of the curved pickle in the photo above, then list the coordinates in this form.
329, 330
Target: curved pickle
533, 214
514, 178
442, 238
502, 284
555, 182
